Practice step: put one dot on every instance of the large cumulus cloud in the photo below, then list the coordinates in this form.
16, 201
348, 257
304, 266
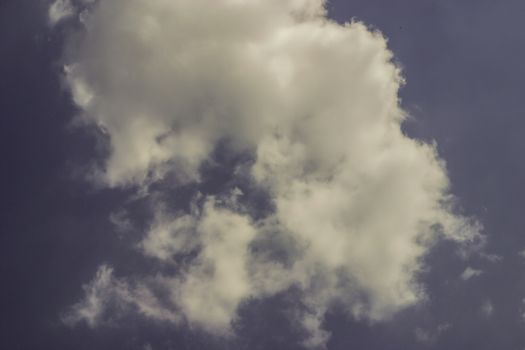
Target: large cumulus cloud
354, 203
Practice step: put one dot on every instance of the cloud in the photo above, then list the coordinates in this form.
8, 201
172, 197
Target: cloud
121, 221
487, 308
430, 337
493, 258
354, 204
97, 294
218, 280
470, 273
107, 297
60, 10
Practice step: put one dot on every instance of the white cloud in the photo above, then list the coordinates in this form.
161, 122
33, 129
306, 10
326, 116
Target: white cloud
218, 281
357, 203
208, 293
60, 10
317, 336
469, 272
106, 291
170, 236
96, 296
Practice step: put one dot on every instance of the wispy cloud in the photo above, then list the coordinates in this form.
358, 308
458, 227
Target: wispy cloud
487, 308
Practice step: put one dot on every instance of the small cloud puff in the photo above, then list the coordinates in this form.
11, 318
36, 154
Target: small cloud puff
60, 10
487, 308
470, 273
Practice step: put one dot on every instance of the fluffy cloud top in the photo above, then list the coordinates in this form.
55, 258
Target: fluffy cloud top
59, 10
356, 203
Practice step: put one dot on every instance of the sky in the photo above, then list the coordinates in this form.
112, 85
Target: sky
262, 174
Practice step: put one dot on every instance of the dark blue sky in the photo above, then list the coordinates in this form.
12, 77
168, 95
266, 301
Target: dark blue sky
463, 63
